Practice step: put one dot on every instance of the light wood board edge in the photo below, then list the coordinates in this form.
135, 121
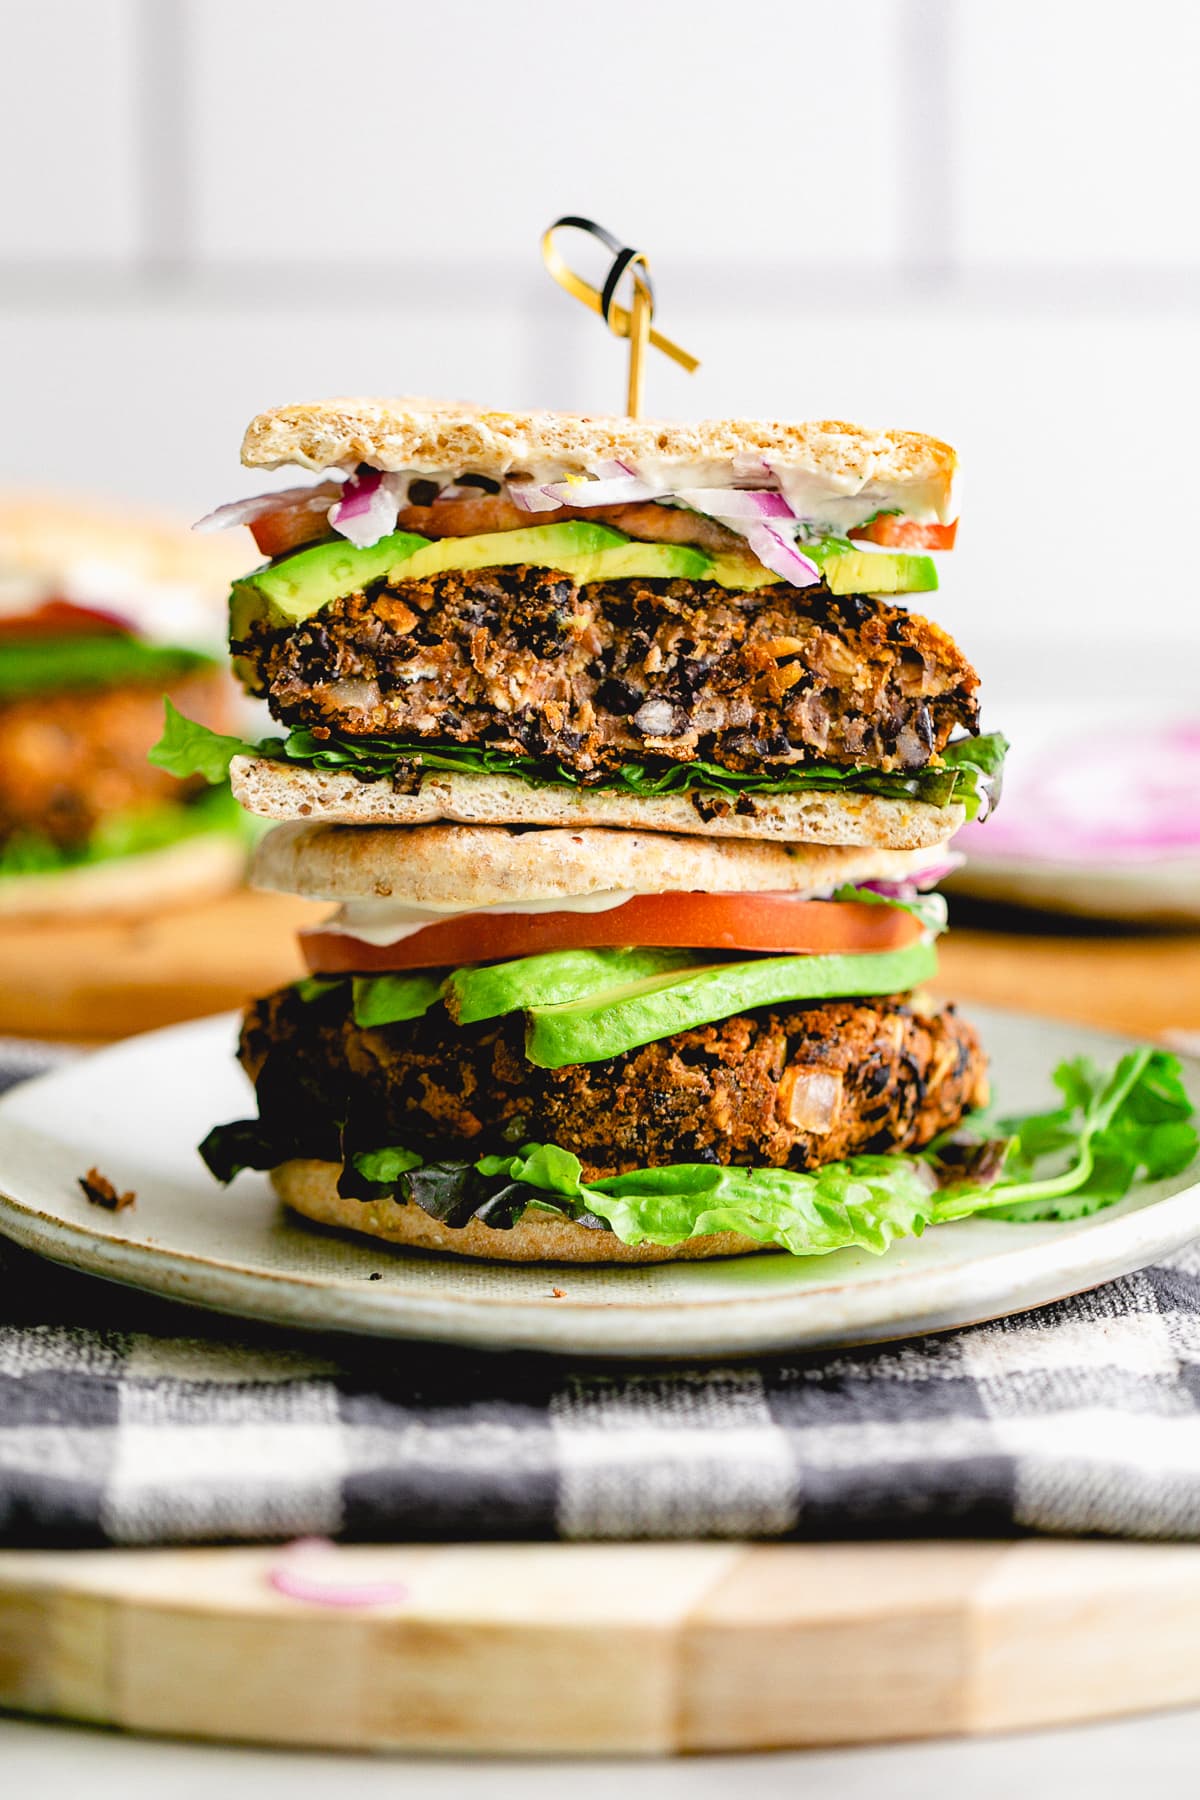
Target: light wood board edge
593, 1649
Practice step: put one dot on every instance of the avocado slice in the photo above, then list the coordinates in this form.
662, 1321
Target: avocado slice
607, 1023
871, 572
543, 546
301, 585
295, 588
387, 999
487, 991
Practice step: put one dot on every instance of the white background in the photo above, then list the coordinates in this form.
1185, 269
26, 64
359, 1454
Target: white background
977, 218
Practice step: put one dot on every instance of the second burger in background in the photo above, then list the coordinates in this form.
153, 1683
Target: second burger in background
103, 610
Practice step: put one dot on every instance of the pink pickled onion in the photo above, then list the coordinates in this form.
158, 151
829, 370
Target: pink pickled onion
245, 512
287, 1577
1100, 797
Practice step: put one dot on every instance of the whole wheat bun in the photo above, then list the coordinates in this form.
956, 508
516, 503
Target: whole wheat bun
57, 541
310, 1188
277, 790
196, 869
464, 866
899, 468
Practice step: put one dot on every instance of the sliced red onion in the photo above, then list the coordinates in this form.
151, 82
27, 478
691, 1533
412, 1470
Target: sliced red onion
368, 508
730, 504
532, 498
779, 554
613, 484
289, 1576
1094, 796
245, 512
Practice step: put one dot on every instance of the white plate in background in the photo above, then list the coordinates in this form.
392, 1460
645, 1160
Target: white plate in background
1100, 817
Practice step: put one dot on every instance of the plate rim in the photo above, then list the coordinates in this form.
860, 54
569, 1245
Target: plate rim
751, 1323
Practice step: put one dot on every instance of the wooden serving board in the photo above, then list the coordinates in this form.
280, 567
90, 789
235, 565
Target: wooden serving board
605, 1648
105, 978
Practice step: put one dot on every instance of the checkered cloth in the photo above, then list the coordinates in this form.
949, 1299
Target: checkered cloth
174, 1427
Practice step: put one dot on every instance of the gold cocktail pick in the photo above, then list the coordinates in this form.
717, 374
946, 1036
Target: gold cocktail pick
634, 321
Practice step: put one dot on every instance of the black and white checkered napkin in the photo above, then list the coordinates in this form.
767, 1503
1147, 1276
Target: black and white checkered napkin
129, 1420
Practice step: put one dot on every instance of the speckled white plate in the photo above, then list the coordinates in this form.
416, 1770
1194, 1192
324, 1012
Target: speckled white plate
137, 1111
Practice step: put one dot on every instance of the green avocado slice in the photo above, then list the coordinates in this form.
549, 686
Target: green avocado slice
875, 572
488, 990
544, 546
301, 585
609, 1022
298, 586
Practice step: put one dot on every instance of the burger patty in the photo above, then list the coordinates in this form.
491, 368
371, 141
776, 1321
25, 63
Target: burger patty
524, 660
782, 1088
71, 758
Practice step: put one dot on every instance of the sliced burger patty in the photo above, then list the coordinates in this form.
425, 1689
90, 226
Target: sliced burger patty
525, 661
72, 758
787, 1087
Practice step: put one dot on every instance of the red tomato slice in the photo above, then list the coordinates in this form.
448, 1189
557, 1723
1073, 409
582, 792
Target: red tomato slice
776, 922
61, 618
299, 522
906, 534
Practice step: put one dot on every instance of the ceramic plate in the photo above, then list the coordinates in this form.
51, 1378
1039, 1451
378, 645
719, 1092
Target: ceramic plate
1092, 823
137, 1111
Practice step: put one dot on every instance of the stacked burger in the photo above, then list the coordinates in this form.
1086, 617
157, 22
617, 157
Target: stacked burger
102, 610
628, 774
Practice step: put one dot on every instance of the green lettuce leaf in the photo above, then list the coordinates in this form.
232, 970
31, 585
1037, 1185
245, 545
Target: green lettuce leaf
1135, 1122
1114, 1128
930, 909
34, 664
867, 1202
968, 774
188, 748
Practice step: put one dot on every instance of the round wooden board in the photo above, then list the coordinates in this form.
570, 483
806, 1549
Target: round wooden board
105, 978
605, 1648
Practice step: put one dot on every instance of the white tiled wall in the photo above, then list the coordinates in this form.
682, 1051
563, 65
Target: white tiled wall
974, 217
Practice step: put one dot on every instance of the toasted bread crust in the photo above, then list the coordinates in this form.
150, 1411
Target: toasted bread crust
278, 790
411, 433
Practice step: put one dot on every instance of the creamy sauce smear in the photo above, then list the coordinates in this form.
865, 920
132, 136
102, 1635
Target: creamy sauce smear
383, 922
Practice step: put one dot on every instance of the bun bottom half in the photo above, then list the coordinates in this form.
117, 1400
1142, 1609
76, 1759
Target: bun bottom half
310, 1188
197, 868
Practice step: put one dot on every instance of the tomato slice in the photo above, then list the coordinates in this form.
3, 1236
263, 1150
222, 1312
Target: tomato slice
299, 522
906, 534
61, 618
778, 922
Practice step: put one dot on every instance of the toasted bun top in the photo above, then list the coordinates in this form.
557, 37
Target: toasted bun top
901, 468
96, 551
464, 866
